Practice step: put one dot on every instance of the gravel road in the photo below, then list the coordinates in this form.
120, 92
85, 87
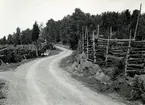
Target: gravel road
42, 82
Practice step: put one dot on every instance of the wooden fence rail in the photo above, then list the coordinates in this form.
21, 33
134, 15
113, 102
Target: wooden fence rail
100, 50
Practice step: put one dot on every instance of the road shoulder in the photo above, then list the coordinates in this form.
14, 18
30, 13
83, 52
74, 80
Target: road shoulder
67, 64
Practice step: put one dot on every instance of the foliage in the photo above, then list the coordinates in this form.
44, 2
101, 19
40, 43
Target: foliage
26, 36
35, 32
35, 36
17, 36
69, 29
10, 39
143, 97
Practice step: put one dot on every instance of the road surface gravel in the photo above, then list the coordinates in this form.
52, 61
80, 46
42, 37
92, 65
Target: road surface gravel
42, 82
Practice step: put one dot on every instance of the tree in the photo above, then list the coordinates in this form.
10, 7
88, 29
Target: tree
69, 29
35, 35
18, 32
134, 17
141, 28
124, 21
26, 37
10, 39
35, 32
51, 31
4, 40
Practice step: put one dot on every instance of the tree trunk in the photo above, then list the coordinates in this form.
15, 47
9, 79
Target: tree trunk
36, 49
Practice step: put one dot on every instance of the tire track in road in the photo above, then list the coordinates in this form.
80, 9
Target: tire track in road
38, 97
42, 82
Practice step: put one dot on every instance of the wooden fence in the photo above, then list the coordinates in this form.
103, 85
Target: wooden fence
100, 50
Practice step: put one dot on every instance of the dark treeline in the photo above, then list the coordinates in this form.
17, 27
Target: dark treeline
69, 29
22, 37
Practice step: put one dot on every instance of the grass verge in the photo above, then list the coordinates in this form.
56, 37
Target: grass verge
68, 65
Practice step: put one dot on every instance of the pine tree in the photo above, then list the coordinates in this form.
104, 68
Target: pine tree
35, 36
4, 40
35, 32
18, 32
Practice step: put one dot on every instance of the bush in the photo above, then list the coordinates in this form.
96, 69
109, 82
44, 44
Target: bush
48, 46
31, 54
143, 97
9, 57
16, 55
64, 42
122, 88
18, 58
138, 88
115, 68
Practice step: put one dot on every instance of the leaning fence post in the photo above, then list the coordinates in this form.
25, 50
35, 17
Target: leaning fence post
98, 30
94, 49
83, 40
127, 55
107, 47
87, 43
136, 27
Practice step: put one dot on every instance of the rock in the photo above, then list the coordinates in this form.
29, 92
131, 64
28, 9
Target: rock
86, 65
80, 69
87, 68
141, 80
103, 78
96, 68
83, 57
110, 71
74, 65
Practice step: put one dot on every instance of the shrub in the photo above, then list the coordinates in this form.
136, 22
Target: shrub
46, 47
143, 97
31, 54
138, 88
64, 42
115, 68
18, 58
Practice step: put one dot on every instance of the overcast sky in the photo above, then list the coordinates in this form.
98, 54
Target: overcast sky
23, 13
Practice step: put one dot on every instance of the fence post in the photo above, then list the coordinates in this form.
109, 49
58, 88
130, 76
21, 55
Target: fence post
94, 49
127, 55
85, 45
87, 42
83, 40
107, 47
98, 31
79, 46
136, 27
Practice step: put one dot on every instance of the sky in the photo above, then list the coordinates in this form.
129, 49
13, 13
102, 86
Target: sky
23, 13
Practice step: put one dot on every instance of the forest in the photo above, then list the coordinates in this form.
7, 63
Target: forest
69, 29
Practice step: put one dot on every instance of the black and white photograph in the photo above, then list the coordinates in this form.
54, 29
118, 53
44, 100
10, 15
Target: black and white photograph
72, 52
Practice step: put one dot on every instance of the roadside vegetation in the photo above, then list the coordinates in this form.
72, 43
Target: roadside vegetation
69, 29
24, 45
20, 48
106, 80
30, 43
35, 42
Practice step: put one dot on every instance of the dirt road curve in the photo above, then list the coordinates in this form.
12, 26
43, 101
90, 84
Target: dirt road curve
42, 82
